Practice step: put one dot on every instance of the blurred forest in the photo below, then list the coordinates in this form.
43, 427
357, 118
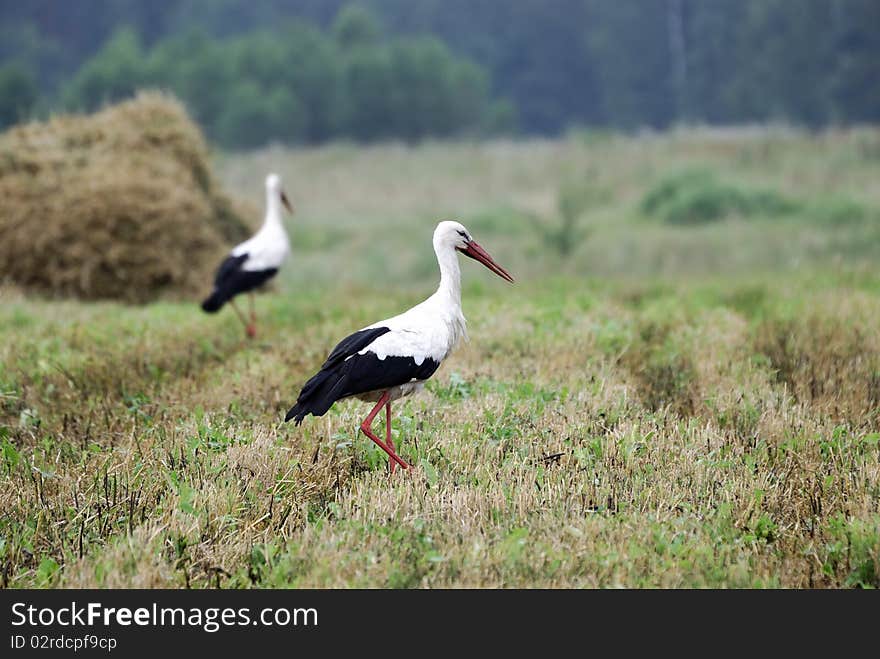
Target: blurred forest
307, 71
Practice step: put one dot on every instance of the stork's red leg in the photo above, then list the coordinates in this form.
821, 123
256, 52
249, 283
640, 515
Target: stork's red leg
252, 326
388, 439
247, 327
366, 428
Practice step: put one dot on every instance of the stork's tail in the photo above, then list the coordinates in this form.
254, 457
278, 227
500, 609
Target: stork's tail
214, 302
316, 397
297, 413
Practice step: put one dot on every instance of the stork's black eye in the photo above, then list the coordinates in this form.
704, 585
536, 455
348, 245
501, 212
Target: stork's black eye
463, 234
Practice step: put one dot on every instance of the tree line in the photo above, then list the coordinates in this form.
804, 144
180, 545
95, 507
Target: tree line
295, 83
312, 70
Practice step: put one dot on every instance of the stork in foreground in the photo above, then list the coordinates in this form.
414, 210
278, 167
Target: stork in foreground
255, 261
393, 358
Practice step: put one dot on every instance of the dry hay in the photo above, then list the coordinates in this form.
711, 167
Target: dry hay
116, 205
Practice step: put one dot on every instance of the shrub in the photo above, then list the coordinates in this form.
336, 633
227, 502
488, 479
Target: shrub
18, 94
837, 211
697, 197
573, 201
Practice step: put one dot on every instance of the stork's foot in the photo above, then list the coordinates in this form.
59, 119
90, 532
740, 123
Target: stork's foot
251, 331
393, 464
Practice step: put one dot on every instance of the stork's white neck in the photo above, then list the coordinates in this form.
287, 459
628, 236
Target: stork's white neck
273, 209
450, 275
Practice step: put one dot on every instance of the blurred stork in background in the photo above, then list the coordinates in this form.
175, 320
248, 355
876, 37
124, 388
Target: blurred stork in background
255, 261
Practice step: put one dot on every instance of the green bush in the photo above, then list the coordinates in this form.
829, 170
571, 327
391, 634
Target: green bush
706, 203
671, 187
697, 197
18, 94
573, 200
837, 211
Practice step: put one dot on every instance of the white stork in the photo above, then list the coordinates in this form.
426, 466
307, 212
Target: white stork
255, 261
392, 358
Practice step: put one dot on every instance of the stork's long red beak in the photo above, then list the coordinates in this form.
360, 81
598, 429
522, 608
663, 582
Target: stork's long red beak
477, 253
286, 202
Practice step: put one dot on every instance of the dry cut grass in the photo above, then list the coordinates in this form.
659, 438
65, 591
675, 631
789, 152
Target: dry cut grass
618, 437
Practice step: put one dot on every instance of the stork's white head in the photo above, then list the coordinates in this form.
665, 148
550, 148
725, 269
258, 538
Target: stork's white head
450, 235
273, 189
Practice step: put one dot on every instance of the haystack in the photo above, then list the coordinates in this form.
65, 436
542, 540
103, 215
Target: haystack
116, 205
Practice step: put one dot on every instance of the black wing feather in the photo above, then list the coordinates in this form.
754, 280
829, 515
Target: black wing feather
231, 280
347, 373
349, 346
353, 344
229, 268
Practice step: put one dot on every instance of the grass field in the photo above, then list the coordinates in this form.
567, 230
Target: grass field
672, 400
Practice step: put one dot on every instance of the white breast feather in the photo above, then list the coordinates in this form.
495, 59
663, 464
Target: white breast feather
429, 330
266, 249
